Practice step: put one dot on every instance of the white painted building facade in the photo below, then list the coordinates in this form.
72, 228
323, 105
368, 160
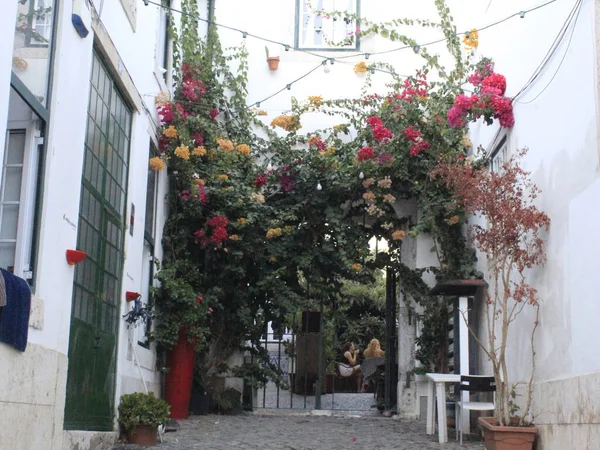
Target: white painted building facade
126, 42
75, 175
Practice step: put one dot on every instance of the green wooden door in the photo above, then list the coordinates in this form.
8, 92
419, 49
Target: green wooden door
97, 285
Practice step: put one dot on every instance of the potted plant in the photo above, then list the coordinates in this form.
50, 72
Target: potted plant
140, 414
511, 240
273, 61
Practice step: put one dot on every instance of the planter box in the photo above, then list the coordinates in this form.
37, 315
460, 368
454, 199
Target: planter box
143, 435
506, 438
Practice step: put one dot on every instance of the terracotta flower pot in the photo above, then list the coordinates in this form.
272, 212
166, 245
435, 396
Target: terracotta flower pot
506, 438
273, 62
143, 435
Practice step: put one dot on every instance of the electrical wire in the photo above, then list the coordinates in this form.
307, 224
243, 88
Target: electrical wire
574, 14
361, 54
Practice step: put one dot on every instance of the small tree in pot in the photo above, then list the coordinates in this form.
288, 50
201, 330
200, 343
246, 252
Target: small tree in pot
510, 238
140, 414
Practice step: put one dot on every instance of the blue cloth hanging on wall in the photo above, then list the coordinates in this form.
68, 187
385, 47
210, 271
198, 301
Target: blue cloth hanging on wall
14, 322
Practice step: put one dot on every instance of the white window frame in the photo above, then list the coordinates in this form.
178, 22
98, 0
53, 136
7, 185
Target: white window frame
163, 58
314, 32
23, 250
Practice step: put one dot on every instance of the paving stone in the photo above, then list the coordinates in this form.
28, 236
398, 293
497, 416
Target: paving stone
263, 431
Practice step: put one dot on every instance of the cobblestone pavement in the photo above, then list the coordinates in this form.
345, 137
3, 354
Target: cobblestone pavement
302, 432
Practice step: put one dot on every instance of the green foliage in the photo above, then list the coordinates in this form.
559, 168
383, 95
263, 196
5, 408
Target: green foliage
228, 401
142, 409
283, 245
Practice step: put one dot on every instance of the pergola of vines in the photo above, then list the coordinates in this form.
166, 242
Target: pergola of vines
253, 219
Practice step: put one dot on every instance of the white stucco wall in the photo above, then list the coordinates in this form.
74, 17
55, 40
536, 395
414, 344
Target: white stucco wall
560, 129
39, 402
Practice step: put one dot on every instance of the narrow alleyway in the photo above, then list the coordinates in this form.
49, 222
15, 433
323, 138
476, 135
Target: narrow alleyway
302, 432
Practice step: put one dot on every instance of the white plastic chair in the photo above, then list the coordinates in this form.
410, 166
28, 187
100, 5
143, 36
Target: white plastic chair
474, 383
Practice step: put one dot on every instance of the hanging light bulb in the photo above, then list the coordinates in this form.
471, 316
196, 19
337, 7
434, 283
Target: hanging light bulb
367, 55
319, 187
361, 175
287, 48
289, 87
325, 66
331, 61
522, 14
269, 166
258, 104
244, 34
416, 49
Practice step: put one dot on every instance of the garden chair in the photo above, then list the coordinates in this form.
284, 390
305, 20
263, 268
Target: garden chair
474, 383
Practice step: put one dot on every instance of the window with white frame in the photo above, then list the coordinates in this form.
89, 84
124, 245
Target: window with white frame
163, 45
499, 155
315, 29
17, 199
40, 22
148, 251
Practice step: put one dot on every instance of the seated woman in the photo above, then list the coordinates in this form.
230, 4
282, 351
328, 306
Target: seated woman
348, 363
374, 350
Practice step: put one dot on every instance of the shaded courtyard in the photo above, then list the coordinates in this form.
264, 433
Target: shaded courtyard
302, 432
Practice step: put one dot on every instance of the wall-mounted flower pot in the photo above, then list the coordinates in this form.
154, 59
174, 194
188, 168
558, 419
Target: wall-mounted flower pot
506, 438
131, 296
75, 256
273, 62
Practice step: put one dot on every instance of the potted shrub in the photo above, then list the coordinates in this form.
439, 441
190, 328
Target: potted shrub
511, 240
272, 61
140, 414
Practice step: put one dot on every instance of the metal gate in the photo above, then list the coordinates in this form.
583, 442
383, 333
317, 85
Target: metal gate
311, 381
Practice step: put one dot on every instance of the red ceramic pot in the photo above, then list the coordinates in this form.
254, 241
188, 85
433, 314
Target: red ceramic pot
178, 389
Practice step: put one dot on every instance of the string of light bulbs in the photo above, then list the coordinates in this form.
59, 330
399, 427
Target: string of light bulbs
325, 59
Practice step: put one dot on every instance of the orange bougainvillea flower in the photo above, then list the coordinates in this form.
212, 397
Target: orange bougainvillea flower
361, 67
157, 163
225, 144
244, 149
199, 151
171, 132
398, 235
357, 267
183, 152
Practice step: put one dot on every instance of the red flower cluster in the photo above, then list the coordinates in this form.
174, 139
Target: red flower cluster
414, 88
489, 102
317, 142
202, 196
484, 69
213, 113
287, 182
219, 232
163, 143
415, 136
418, 147
385, 159
411, 133
169, 112
366, 153
260, 180
198, 139
380, 133
192, 89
